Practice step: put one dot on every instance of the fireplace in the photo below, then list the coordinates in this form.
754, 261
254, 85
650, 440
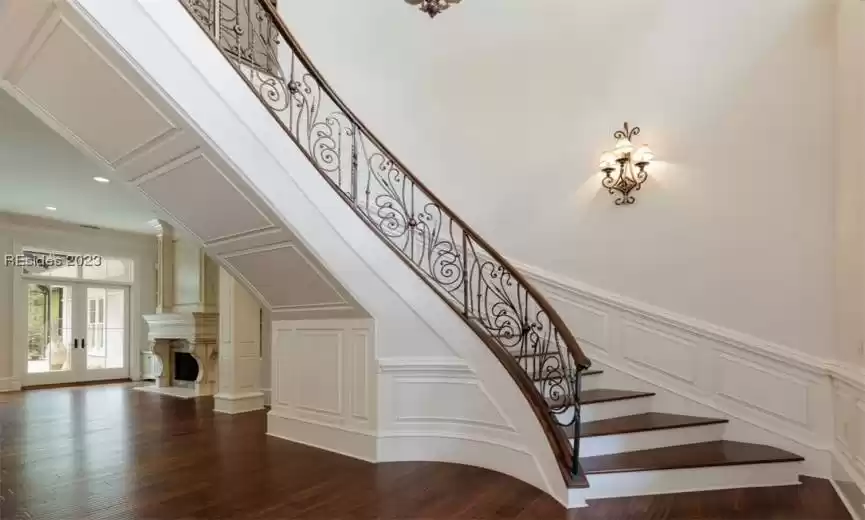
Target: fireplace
184, 347
185, 370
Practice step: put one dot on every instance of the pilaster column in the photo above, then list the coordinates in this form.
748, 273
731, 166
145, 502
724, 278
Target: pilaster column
239, 349
164, 266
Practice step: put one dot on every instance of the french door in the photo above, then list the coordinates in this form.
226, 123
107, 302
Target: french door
76, 332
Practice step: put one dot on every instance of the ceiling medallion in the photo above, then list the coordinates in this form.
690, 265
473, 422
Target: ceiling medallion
432, 7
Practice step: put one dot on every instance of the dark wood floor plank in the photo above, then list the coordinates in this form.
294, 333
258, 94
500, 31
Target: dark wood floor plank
109, 453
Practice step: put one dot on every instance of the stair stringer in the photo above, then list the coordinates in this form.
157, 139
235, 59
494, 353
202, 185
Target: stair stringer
412, 325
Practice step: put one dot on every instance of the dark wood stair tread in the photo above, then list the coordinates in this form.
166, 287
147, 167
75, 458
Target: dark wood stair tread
701, 455
543, 377
642, 422
607, 395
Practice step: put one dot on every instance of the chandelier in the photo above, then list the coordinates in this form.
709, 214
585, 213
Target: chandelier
432, 7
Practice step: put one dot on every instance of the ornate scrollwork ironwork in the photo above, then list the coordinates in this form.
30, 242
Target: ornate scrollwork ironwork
451, 258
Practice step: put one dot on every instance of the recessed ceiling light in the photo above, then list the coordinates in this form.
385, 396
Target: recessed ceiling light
101, 179
50, 208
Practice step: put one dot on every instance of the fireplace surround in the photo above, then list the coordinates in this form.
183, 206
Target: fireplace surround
184, 347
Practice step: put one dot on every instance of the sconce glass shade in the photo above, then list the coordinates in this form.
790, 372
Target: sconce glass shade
608, 160
644, 155
623, 147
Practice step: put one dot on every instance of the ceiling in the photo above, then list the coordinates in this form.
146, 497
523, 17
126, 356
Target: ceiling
39, 168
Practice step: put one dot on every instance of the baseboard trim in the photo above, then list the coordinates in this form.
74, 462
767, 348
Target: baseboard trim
351, 443
849, 485
9, 384
238, 403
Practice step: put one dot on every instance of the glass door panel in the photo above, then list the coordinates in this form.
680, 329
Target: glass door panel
49, 328
106, 327
76, 332
104, 346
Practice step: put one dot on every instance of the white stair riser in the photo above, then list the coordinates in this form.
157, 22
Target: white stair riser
588, 383
600, 411
610, 485
620, 443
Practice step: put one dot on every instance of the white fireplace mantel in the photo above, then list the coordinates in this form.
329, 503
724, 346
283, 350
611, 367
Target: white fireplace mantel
195, 333
194, 327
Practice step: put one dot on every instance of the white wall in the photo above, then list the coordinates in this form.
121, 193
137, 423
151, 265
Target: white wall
503, 106
42, 233
849, 389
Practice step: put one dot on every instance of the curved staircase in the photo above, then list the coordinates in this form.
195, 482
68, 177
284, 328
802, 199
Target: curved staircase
607, 441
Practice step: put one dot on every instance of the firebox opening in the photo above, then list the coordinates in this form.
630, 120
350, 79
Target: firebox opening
185, 367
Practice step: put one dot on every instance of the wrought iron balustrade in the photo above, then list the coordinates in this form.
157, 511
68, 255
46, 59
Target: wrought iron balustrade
496, 301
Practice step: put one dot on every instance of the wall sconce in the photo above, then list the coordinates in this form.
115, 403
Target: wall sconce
631, 163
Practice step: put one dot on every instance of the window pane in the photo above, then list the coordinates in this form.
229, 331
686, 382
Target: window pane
78, 265
42, 263
109, 269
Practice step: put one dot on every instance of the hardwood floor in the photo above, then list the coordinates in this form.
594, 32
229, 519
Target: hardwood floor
107, 452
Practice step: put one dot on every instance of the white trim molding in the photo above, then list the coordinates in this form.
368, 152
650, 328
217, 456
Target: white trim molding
9, 384
849, 483
238, 403
323, 385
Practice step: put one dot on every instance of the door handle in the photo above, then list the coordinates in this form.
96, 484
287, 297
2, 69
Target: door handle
75, 343
83, 343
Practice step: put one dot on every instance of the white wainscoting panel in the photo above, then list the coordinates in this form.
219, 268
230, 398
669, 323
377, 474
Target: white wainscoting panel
436, 409
764, 388
848, 470
9, 384
323, 385
665, 352
771, 393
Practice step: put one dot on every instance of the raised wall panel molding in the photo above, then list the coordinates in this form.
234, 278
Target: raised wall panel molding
319, 360
447, 366
595, 329
56, 47
772, 387
287, 263
321, 374
449, 395
582, 293
765, 389
172, 188
648, 345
